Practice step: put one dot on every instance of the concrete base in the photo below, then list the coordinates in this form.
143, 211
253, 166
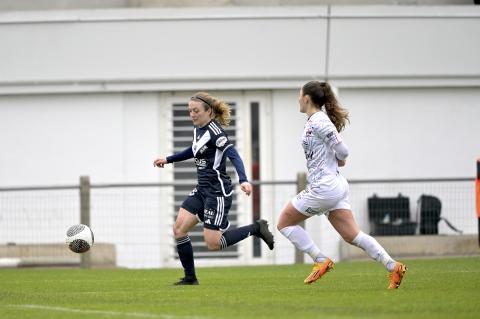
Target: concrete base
43, 255
418, 246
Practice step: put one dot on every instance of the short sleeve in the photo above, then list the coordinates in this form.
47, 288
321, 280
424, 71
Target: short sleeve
221, 141
218, 136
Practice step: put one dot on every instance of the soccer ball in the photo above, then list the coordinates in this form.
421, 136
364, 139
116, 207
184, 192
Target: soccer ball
79, 238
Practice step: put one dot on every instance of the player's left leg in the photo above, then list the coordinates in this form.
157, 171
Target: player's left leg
344, 223
216, 233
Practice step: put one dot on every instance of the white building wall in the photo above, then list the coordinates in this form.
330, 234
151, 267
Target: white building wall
122, 49
53, 139
85, 92
402, 42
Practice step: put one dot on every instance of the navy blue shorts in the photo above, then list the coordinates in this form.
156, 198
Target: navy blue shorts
210, 208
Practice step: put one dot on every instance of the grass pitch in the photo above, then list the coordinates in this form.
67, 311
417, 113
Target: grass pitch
432, 288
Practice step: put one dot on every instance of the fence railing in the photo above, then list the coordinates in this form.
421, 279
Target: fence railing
136, 219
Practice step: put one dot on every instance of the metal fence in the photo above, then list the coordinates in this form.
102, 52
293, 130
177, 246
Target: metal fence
135, 220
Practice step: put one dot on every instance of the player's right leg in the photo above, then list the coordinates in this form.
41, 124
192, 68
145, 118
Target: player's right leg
186, 220
288, 226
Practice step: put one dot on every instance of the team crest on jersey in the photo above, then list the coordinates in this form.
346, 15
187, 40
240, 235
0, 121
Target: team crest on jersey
208, 213
222, 140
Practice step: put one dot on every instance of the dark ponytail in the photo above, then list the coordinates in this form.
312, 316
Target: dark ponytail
322, 94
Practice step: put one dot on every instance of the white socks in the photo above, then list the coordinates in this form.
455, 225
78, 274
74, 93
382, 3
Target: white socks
302, 241
374, 250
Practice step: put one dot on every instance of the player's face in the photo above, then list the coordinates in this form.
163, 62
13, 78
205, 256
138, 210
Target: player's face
302, 102
200, 117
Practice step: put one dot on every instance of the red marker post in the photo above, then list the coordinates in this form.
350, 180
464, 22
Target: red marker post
477, 188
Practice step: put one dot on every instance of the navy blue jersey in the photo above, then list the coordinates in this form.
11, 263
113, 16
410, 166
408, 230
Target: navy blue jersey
209, 146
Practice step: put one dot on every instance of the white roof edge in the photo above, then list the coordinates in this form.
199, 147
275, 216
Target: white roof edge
244, 13
146, 14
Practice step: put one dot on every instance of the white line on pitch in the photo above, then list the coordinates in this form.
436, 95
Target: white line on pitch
109, 313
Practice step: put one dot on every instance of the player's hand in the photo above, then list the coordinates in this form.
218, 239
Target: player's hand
341, 162
159, 162
246, 188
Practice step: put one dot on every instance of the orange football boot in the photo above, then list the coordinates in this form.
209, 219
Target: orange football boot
396, 275
319, 269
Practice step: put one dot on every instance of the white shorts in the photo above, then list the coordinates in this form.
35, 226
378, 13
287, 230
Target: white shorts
322, 198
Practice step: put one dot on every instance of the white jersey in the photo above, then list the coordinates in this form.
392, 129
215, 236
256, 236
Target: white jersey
318, 139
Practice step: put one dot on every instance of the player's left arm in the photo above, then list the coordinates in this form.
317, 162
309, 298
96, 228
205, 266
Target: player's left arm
237, 162
223, 144
328, 132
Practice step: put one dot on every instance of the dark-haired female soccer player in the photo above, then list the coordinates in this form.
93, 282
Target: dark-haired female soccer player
327, 190
211, 199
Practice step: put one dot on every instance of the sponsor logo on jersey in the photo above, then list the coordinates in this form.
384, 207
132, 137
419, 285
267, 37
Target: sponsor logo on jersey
222, 140
201, 163
312, 211
203, 149
192, 192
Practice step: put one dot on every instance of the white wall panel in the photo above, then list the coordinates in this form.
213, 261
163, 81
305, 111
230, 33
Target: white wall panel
412, 133
399, 41
53, 139
287, 127
161, 47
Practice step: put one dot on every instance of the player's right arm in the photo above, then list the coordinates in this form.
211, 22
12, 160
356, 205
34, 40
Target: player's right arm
182, 156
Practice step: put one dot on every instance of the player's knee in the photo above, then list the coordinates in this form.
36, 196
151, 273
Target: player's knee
178, 232
213, 245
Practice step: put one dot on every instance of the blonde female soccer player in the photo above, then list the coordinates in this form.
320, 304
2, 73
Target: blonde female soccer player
211, 199
327, 190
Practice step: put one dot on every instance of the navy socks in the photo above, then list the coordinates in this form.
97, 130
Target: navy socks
233, 236
185, 252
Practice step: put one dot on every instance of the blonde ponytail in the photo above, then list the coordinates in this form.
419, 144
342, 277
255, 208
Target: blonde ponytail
221, 110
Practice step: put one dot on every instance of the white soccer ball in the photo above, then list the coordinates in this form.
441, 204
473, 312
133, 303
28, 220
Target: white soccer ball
79, 238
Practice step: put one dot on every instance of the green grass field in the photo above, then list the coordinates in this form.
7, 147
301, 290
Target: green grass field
432, 288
